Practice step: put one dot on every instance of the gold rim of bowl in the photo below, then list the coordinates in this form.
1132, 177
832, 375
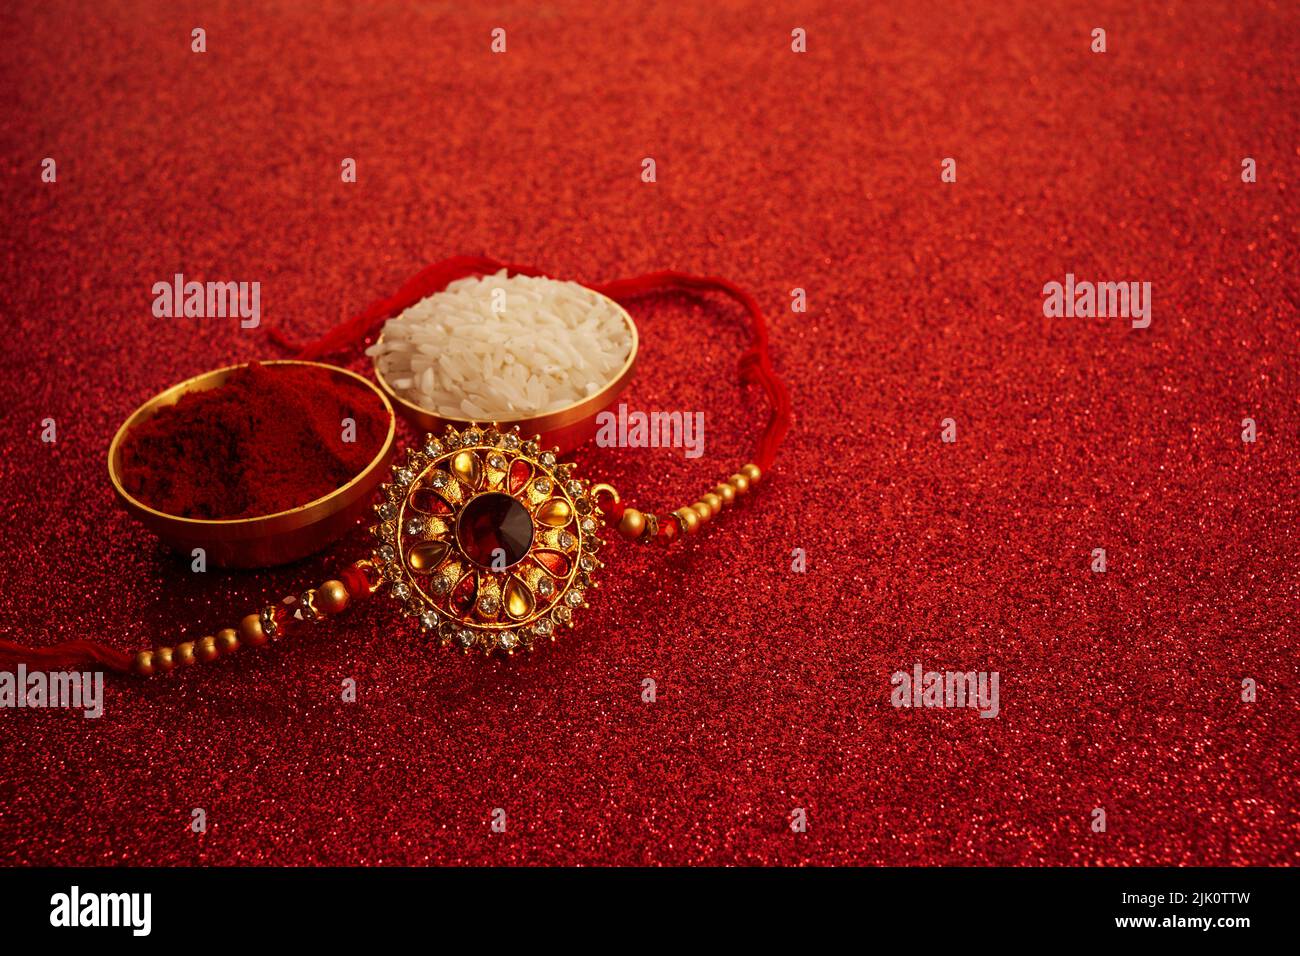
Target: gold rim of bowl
298, 516
549, 423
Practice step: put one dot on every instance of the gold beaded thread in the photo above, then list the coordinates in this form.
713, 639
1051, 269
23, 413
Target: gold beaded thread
640, 526
270, 623
334, 596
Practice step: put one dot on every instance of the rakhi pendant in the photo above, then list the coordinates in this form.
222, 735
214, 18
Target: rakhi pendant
487, 540
483, 536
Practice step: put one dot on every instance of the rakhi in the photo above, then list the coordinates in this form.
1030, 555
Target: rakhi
483, 537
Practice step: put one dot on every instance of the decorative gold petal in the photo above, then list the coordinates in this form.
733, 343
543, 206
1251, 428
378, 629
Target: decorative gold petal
467, 467
519, 599
555, 513
425, 557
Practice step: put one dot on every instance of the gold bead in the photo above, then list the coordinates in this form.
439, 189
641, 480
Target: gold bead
184, 653
739, 482
690, 521
162, 659
713, 501
703, 510
752, 472
143, 663
632, 524
726, 493
250, 631
331, 597
205, 648
227, 640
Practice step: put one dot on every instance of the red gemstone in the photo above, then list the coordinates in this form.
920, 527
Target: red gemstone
288, 615
494, 531
465, 594
358, 582
429, 502
554, 561
520, 472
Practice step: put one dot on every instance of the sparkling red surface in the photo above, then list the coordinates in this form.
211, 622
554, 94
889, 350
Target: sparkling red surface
821, 171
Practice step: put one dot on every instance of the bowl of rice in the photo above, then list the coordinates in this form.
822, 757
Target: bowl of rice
543, 354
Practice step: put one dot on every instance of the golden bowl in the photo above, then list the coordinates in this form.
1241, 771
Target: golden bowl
266, 539
565, 428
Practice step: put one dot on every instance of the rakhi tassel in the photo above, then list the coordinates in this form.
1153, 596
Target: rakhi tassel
69, 655
755, 364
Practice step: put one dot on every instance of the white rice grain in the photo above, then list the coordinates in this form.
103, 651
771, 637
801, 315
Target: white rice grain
554, 344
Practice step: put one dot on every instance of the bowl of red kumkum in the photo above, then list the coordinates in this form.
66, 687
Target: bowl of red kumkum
256, 464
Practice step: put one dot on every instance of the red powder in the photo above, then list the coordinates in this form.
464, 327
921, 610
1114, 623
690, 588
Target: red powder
269, 439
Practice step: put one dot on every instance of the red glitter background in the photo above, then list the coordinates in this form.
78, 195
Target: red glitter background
1118, 690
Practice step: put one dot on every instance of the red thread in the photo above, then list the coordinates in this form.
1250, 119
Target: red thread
755, 363
83, 653
61, 656
355, 580
431, 279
